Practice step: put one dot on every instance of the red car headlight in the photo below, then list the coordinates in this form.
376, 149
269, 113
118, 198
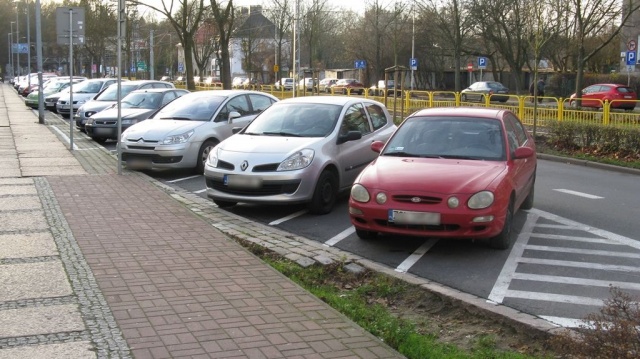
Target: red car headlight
481, 200
359, 193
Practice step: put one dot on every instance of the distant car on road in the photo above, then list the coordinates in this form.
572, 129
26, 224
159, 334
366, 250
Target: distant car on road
184, 132
82, 93
380, 88
448, 173
326, 83
620, 96
136, 107
53, 87
300, 150
481, 89
348, 86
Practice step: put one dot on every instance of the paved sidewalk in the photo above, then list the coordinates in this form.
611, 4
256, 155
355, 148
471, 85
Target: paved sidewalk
96, 264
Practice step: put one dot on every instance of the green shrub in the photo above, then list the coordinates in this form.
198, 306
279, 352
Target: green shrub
603, 140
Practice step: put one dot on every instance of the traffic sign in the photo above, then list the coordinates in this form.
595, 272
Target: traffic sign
469, 67
360, 64
413, 63
180, 67
631, 45
631, 58
482, 63
276, 68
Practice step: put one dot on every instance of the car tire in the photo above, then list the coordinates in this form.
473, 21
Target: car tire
362, 234
224, 204
100, 140
325, 193
528, 202
503, 239
203, 154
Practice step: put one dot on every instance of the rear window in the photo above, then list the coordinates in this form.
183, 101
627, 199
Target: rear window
625, 89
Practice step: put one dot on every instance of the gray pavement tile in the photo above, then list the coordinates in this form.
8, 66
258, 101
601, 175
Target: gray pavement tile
40, 320
33, 280
18, 202
24, 245
23, 221
74, 350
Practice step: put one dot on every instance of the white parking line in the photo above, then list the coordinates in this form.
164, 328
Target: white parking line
580, 194
416, 255
183, 179
340, 236
200, 191
64, 135
567, 322
291, 216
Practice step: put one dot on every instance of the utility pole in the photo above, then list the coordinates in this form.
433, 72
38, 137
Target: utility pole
39, 61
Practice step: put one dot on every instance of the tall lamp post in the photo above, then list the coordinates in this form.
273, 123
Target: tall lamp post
13, 63
17, 40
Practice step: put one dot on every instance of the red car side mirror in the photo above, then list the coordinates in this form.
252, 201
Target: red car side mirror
376, 146
523, 152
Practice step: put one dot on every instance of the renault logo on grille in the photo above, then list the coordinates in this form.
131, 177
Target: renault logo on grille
416, 200
244, 165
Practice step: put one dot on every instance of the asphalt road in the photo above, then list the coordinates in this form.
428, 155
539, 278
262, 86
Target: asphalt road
581, 237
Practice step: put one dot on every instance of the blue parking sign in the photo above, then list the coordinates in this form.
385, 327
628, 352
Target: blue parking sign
631, 58
360, 64
413, 63
482, 62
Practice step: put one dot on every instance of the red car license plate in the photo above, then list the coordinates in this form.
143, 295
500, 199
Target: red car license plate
410, 217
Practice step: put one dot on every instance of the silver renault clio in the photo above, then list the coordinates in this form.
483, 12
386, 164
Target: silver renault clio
299, 150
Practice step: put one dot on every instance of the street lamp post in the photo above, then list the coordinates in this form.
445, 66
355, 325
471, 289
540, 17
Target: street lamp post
17, 40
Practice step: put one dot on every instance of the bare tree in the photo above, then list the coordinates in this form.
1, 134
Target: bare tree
185, 16
594, 18
205, 45
280, 15
454, 24
223, 17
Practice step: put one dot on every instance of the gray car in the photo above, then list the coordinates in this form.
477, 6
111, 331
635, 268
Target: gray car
109, 96
136, 107
478, 90
82, 93
300, 150
182, 133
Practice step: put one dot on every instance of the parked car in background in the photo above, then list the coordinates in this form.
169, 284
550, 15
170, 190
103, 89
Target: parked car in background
136, 107
249, 83
51, 88
237, 82
348, 86
184, 132
285, 83
326, 83
620, 96
307, 84
380, 88
82, 93
300, 150
24, 85
478, 90
448, 173
109, 96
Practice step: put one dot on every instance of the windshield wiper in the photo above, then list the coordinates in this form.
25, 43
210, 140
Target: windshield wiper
285, 134
176, 118
252, 134
457, 157
401, 154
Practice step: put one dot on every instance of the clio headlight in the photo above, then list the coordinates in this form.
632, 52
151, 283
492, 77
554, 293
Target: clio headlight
212, 160
298, 160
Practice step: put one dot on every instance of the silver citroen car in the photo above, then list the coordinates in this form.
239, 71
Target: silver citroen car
182, 133
300, 150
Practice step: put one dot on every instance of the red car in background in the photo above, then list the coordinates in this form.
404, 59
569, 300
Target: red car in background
346, 86
620, 96
448, 173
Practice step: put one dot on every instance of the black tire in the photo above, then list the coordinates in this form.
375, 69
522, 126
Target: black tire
528, 202
205, 149
325, 194
100, 140
224, 204
362, 234
503, 239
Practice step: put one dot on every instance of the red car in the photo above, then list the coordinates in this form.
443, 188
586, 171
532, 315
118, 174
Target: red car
448, 173
620, 96
345, 86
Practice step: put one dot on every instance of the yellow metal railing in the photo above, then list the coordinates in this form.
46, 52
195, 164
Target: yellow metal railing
547, 109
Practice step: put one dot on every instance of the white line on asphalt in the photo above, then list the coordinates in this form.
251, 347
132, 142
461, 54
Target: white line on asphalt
566, 322
581, 194
90, 148
599, 232
200, 191
584, 251
183, 179
416, 255
574, 264
64, 135
504, 279
577, 239
340, 236
576, 281
291, 216
558, 298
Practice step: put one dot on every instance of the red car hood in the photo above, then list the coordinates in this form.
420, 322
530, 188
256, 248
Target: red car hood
431, 174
